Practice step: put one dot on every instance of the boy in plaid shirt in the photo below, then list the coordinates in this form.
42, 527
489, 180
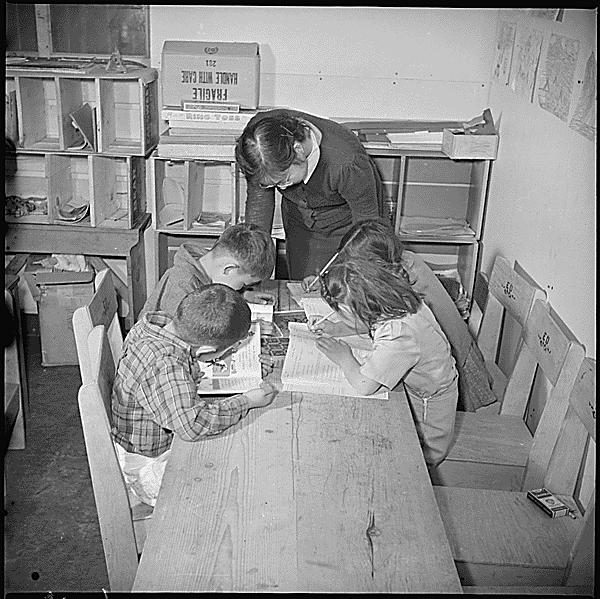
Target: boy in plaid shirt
155, 390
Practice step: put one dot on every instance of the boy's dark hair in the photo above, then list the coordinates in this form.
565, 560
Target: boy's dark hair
373, 291
214, 315
265, 149
251, 246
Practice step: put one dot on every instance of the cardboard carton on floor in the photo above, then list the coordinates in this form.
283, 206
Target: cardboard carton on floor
58, 294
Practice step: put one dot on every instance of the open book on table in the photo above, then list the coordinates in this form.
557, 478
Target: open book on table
307, 370
234, 373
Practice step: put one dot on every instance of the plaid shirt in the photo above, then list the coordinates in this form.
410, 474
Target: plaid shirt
154, 395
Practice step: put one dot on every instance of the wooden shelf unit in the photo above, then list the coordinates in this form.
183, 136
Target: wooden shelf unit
427, 183
114, 187
125, 105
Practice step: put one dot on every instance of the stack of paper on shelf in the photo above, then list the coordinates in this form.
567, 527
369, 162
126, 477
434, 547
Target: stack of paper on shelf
431, 225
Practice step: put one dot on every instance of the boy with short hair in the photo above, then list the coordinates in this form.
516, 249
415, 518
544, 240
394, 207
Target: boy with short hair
243, 256
155, 396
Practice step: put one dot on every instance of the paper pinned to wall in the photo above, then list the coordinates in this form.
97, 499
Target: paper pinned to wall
584, 117
524, 75
505, 40
556, 81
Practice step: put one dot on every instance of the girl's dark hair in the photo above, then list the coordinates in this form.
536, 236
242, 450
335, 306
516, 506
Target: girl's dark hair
214, 315
374, 239
265, 149
373, 291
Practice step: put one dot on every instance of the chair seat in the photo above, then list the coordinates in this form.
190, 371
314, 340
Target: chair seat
490, 451
490, 439
510, 551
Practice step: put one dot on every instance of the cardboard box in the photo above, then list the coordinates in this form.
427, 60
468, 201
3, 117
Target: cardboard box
56, 305
471, 146
58, 294
210, 72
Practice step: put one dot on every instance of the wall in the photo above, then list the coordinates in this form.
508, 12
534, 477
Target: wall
542, 202
351, 61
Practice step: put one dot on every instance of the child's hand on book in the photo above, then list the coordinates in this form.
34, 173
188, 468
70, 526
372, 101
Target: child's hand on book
337, 351
267, 363
262, 396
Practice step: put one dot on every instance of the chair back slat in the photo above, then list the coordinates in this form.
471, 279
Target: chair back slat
547, 340
101, 363
572, 468
553, 344
510, 294
110, 492
102, 309
512, 290
583, 396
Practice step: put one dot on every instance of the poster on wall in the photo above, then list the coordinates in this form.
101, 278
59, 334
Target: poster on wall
584, 117
524, 73
505, 41
556, 81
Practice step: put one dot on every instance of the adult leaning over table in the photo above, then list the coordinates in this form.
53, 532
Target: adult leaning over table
326, 179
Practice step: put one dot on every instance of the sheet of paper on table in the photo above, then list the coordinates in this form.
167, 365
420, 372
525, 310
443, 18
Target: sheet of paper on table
237, 372
261, 311
307, 370
298, 293
317, 306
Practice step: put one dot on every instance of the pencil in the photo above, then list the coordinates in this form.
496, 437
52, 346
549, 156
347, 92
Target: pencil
323, 271
333, 258
322, 319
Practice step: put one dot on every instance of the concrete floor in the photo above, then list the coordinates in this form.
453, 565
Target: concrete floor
51, 534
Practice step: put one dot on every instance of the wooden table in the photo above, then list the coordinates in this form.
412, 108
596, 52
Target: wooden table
313, 493
94, 242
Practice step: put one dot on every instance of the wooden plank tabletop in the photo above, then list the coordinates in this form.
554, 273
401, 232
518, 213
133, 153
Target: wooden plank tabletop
313, 493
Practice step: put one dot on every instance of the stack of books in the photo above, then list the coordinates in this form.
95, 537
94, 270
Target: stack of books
203, 131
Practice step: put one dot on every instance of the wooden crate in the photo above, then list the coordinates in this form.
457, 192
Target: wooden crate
184, 190
125, 106
27, 176
118, 189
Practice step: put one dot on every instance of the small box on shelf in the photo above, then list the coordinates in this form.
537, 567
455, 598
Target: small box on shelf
458, 145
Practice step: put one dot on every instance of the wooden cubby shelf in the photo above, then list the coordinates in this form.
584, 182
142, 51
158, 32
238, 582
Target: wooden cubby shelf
119, 111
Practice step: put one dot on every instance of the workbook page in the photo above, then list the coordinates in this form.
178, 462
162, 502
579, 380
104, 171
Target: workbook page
307, 370
237, 372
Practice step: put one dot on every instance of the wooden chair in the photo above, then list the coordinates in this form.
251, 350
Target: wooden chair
492, 451
122, 522
502, 538
505, 300
102, 309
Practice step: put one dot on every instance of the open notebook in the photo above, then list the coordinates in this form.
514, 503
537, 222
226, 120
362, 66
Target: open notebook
307, 370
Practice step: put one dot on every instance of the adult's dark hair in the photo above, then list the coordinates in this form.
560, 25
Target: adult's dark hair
265, 149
